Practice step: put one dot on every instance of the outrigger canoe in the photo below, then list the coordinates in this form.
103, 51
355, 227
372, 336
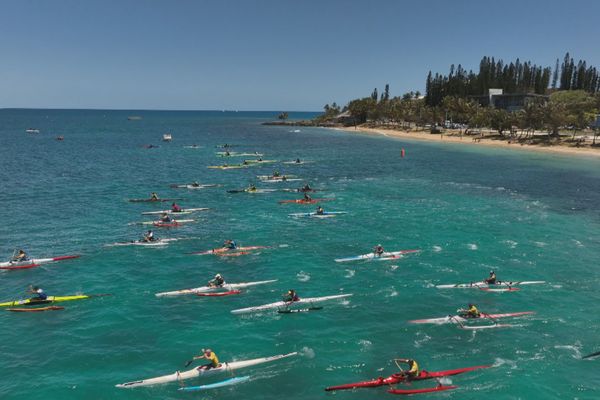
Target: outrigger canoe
288, 304
325, 214
174, 222
223, 250
154, 243
50, 299
192, 186
483, 285
236, 166
303, 201
399, 378
198, 372
34, 262
248, 190
153, 200
183, 211
210, 289
388, 255
459, 319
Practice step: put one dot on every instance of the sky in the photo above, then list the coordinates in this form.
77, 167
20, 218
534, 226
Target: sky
280, 55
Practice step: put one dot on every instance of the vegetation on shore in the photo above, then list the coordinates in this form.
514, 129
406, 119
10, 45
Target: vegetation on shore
570, 101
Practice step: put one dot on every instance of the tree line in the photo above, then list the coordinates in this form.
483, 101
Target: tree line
513, 77
573, 103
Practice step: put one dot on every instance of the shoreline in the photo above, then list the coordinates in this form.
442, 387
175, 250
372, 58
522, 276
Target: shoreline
473, 141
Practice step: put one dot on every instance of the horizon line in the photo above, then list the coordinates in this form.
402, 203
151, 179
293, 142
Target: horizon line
151, 109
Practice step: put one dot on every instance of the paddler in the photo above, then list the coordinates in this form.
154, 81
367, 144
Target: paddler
307, 197
306, 188
165, 218
298, 161
320, 210
210, 355
291, 296
149, 237
252, 188
276, 174
471, 312
413, 372
195, 184
39, 292
227, 154
154, 196
491, 280
378, 250
229, 245
217, 281
20, 256
175, 208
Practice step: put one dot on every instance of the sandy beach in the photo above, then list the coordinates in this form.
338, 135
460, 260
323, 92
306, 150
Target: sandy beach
455, 137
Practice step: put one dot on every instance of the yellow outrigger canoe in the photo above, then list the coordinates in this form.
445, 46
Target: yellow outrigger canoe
50, 299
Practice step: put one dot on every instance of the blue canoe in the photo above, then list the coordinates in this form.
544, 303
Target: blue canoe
226, 382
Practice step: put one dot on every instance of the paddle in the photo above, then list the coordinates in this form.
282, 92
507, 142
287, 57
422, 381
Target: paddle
187, 364
591, 355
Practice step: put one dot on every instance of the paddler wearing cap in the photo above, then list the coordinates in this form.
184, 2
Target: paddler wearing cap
492, 278
210, 355
217, 281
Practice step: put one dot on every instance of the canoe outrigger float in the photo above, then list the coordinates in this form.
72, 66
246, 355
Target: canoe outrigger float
211, 289
226, 382
401, 378
200, 372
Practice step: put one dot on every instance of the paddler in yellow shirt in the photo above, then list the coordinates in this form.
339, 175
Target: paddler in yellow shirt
471, 312
210, 355
413, 372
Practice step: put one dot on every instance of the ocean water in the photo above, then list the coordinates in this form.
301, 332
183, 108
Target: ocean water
527, 215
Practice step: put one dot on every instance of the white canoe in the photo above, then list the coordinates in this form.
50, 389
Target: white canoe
480, 285
458, 319
195, 373
183, 211
204, 289
156, 243
388, 255
175, 221
287, 304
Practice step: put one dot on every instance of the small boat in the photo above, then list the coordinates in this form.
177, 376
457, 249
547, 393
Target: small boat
167, 137
60, 138
201, 373
32, 130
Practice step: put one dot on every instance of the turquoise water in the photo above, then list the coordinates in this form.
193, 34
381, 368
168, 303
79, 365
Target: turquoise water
529, 216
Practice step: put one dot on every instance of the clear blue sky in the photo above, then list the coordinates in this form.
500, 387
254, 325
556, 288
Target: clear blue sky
266, 55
